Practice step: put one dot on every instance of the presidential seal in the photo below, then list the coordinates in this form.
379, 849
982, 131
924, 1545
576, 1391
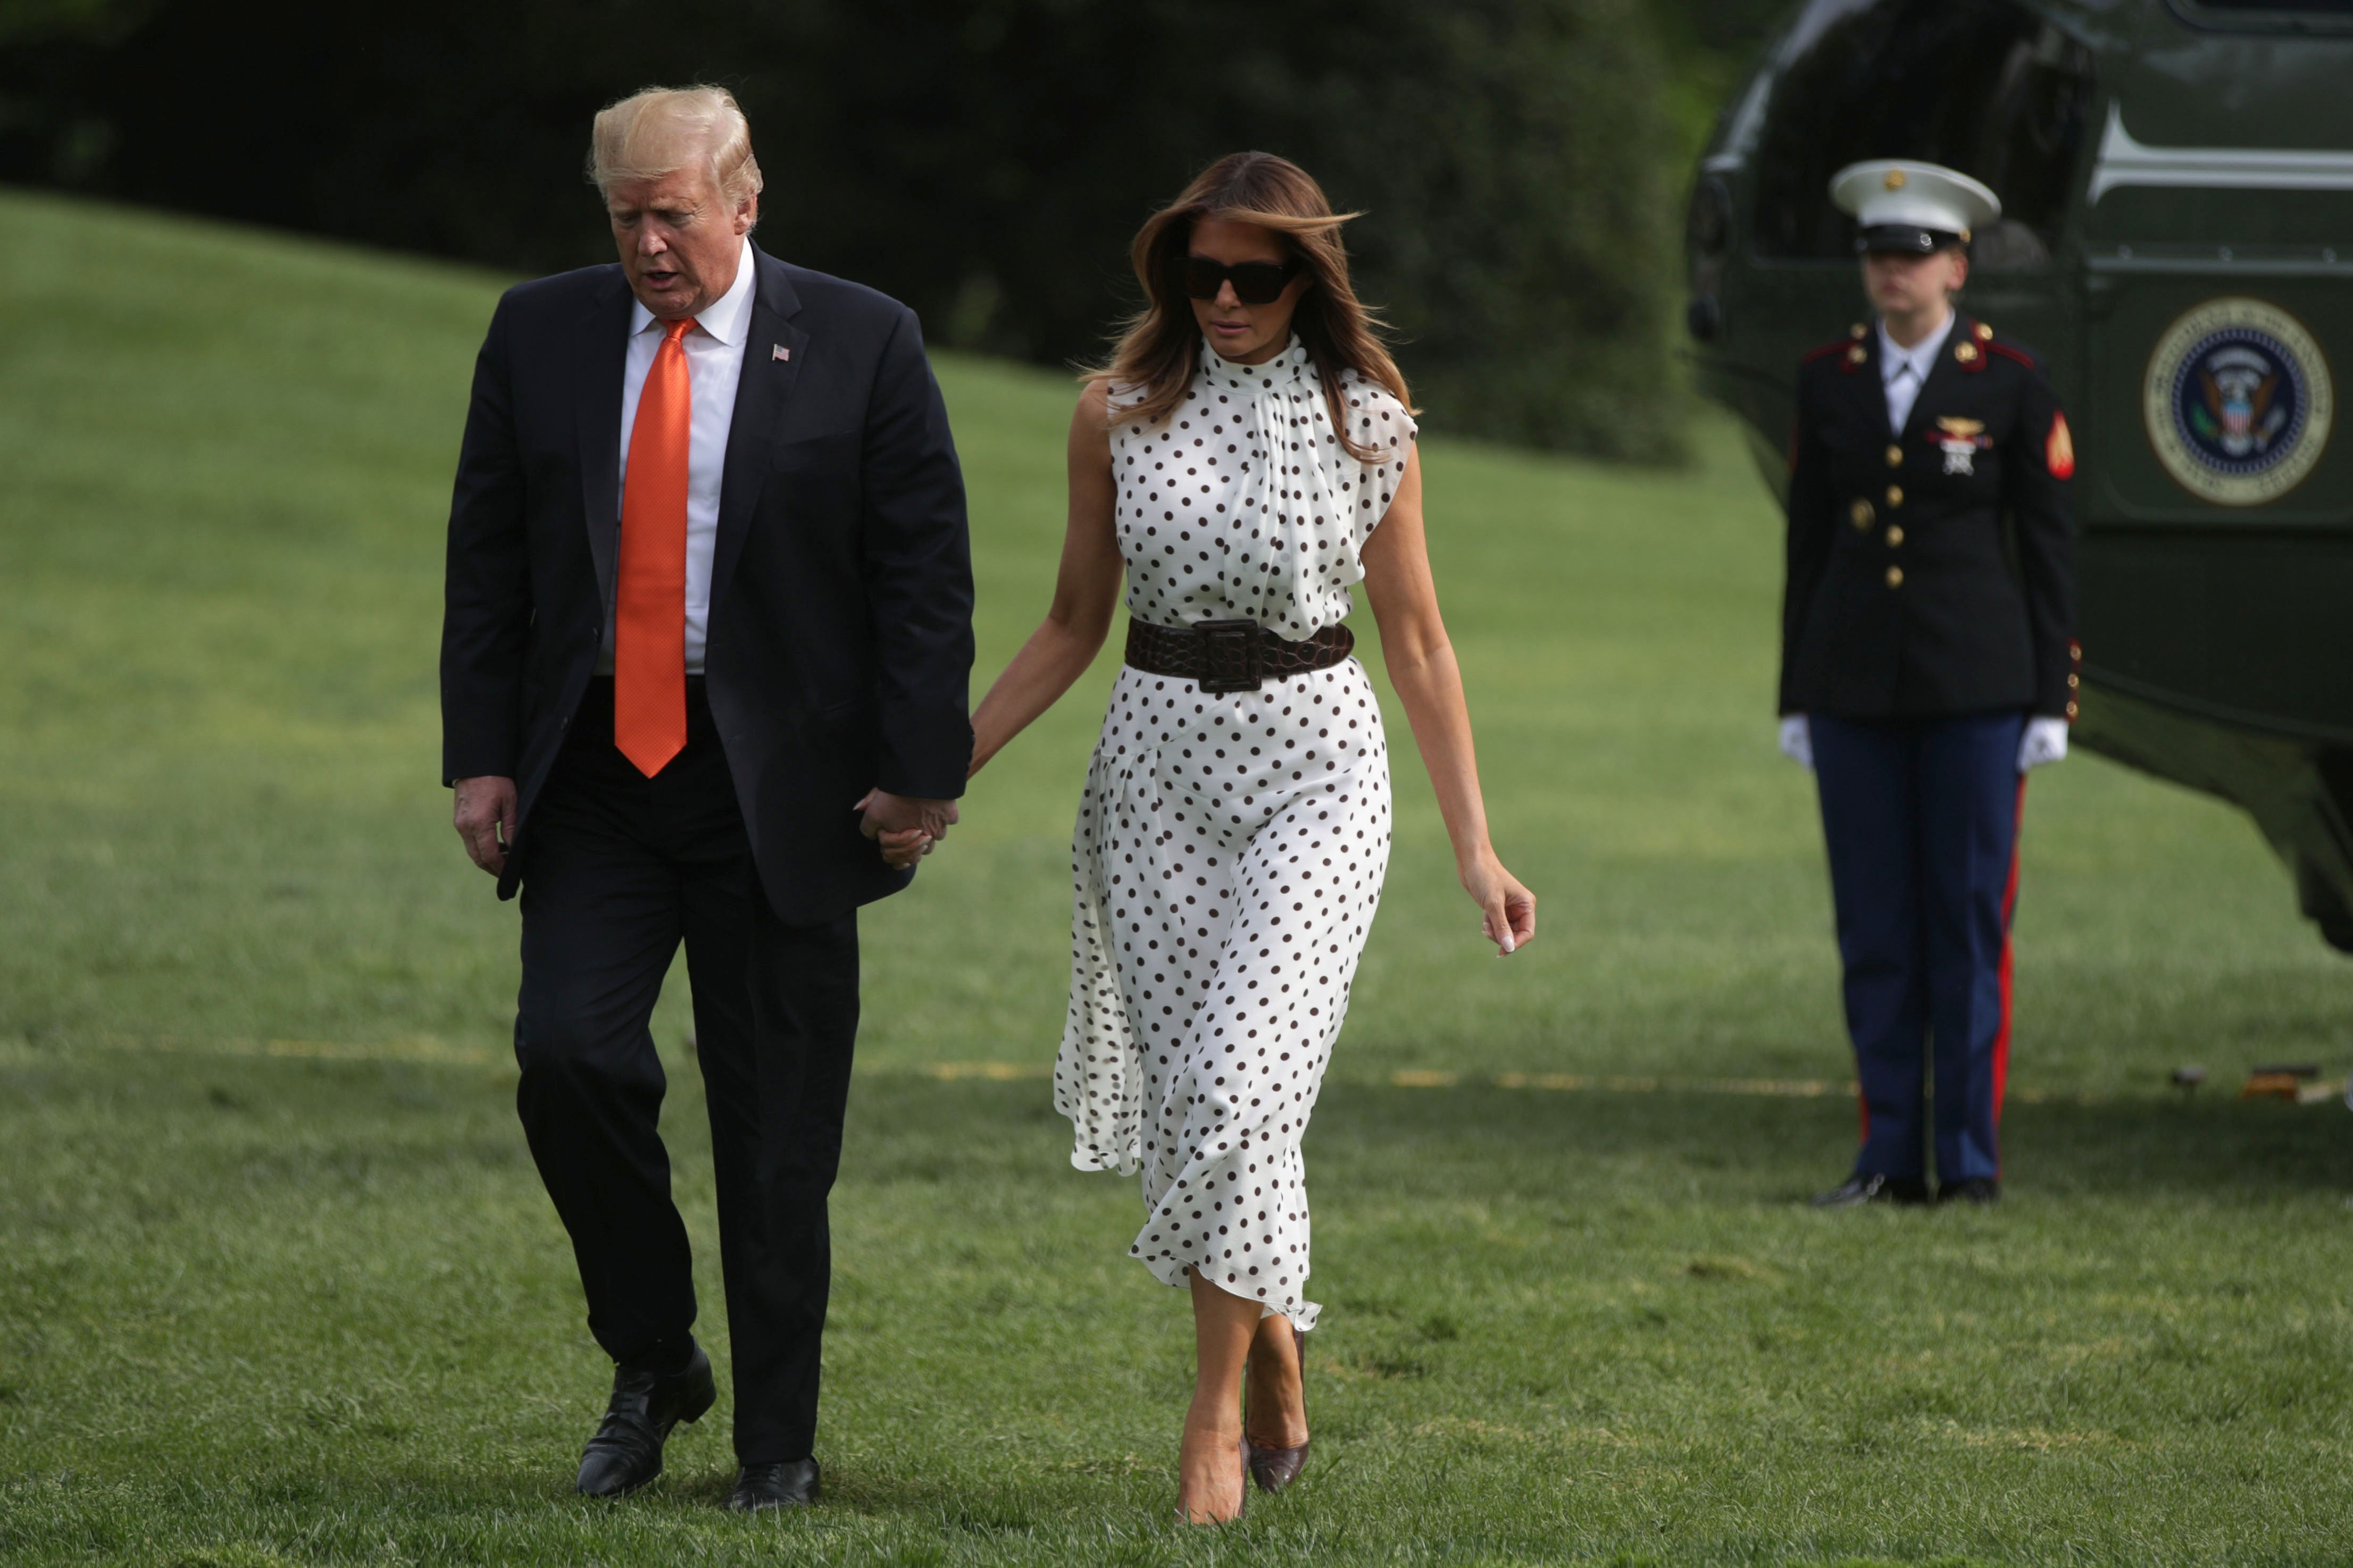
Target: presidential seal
2238, 402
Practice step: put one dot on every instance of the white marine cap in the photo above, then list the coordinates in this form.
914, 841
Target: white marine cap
1912, 207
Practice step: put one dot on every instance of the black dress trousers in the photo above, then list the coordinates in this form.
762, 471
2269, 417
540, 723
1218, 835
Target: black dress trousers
621, 869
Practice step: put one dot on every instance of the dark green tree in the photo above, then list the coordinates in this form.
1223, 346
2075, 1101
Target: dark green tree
984, 160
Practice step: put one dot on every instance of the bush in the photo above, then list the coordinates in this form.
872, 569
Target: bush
986, 161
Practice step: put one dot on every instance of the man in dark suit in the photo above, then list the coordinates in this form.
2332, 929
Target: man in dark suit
1928, 662
709, 617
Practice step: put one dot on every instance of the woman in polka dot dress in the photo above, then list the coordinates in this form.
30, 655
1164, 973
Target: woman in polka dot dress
1246, 458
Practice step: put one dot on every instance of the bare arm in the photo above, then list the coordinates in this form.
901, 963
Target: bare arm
1086, 590
1429, 684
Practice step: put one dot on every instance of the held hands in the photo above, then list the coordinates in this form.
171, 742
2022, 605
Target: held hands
906, 827
1507, 910
483, 812
2045, 741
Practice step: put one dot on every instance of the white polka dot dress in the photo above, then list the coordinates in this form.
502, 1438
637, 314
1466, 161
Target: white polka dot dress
1230, 848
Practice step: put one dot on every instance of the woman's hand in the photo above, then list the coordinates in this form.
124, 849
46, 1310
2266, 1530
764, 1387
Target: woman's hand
1507, 910
903, 848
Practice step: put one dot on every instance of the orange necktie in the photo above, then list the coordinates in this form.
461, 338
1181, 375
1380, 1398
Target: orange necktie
650, 600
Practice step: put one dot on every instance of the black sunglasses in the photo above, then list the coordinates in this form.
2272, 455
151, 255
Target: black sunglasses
1255, 282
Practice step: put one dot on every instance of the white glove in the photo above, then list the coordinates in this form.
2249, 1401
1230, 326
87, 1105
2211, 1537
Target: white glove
1798, 741
2045, 741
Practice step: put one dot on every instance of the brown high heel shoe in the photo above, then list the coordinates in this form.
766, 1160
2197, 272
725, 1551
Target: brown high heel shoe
1275, 1468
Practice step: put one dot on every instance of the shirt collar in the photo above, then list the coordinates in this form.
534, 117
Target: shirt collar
1921, 356
1293, 364
728, 316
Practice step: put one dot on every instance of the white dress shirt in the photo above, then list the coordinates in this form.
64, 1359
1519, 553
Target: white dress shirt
1906, 371
714, 364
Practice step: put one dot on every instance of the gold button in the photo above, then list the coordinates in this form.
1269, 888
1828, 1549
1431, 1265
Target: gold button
1856, 354
1894, 534
2074, 680
1894, 457
1895, 576
1862, 513
1967, 353
2071, 711
1895, 495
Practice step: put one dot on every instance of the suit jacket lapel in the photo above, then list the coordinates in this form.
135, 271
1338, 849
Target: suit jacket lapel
773, 352
604, 351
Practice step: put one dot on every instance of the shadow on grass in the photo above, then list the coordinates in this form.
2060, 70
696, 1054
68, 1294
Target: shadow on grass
1724, 1148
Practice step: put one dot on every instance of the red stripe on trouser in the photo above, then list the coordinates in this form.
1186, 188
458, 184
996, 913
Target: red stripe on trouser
2009, 910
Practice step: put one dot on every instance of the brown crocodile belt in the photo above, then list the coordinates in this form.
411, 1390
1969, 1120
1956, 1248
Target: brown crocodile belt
1231, 656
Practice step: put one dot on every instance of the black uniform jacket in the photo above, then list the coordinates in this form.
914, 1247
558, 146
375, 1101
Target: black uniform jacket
840, 647
1931, 569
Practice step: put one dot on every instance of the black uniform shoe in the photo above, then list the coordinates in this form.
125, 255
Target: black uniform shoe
1975, 1190
762, 1486
626, 1451
1859, 1189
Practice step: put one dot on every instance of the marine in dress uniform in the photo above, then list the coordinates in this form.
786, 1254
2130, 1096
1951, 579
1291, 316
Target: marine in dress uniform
1928, 662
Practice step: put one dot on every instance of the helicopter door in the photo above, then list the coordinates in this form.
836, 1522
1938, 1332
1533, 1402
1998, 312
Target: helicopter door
2218, 288
1988, 87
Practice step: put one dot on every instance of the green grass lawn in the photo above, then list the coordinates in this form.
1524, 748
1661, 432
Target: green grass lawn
278, 1284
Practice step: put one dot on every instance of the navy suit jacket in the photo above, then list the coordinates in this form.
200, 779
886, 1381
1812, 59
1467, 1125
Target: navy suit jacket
840, 649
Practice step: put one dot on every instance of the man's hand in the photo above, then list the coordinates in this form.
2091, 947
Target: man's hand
906, 827
484, 815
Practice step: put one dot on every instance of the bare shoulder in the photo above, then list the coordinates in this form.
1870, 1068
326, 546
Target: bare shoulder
1090, 421
1090, 444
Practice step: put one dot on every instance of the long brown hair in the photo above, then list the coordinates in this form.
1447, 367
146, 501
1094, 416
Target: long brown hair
1159, 347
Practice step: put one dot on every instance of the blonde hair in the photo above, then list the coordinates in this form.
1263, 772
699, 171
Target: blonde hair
641, 137
1159, 347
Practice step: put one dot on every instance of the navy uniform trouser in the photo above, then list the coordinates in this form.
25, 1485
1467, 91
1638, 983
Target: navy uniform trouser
1920, 817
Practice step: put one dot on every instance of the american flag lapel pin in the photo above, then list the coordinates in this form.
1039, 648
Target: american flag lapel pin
779, 352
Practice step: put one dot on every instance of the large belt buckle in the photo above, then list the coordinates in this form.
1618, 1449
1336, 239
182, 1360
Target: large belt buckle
1232, 659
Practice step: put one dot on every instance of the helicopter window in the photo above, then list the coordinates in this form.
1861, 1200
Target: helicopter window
1982, 86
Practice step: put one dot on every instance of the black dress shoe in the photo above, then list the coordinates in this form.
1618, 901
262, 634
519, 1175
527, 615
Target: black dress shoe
1975, 1190
1859, 1189
761, 1487
626, 1451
